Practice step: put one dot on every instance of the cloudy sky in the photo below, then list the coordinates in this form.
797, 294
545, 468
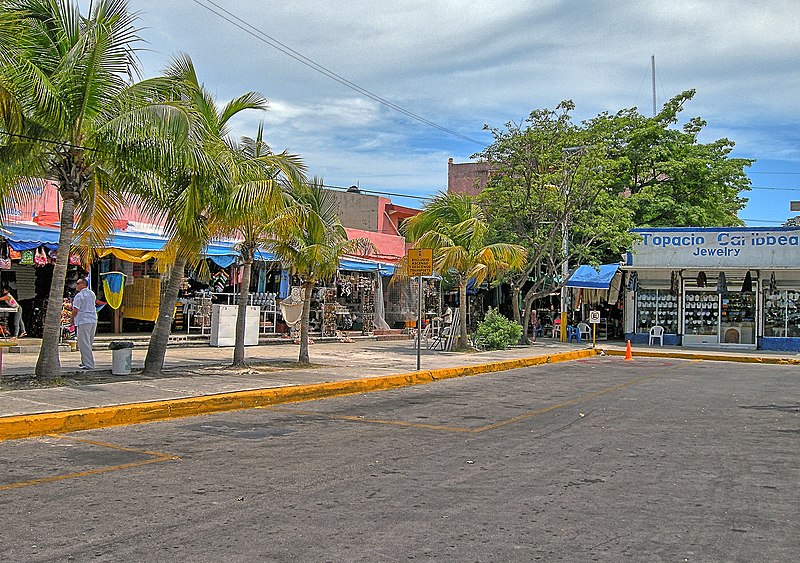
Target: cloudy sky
462, 64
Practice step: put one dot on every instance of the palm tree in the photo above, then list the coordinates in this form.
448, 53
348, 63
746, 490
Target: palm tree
259, 193
188, 196
454, 227
309, 237
67, 99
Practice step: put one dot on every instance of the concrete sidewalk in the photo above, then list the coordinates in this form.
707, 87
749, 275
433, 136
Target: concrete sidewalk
197, 380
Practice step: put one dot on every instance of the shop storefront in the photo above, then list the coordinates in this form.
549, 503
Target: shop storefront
598, 289
354, 300
735, 287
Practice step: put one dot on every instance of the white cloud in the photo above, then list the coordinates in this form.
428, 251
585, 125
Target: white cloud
462, 64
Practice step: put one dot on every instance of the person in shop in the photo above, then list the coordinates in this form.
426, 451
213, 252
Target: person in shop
536, 324
10, 302
84, 318
447, 317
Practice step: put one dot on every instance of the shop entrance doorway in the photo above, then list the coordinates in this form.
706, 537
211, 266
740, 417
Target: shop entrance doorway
727, 319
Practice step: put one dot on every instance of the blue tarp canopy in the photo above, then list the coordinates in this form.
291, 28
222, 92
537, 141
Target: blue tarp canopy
587, 277
136, 241
28, 237
357, 265
223, 253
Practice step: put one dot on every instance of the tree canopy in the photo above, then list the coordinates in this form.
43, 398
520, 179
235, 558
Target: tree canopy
571, 191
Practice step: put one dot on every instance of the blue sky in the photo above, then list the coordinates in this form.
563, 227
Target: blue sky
464, 64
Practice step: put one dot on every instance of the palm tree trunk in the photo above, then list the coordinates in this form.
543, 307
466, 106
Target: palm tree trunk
241, 314
48, 364
308, 288
462, 313
157, 349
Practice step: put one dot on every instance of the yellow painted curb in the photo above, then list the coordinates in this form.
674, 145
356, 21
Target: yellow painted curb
710, 357
26, 426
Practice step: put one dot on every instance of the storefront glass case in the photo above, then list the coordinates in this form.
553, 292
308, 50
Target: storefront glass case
701, 319
720, 318
656, 307
737, 322
782, 313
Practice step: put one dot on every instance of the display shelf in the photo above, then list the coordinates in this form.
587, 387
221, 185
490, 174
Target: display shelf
702, 314
656, 307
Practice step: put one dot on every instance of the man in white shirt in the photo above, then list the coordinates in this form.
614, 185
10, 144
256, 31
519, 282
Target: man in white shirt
84, 317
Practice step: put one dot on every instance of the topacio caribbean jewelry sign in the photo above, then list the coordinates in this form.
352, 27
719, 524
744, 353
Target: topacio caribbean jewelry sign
718, 247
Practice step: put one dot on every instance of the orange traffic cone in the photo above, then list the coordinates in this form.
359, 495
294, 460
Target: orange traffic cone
628, 354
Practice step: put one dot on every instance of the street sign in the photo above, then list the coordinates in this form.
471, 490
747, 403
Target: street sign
594, 317
420, 262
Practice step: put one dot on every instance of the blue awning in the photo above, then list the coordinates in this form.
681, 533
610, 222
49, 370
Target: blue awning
365, 265
223, 253
28, 237
587, 277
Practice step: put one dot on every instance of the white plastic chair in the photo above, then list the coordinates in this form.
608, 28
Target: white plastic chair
585, 330
656, 333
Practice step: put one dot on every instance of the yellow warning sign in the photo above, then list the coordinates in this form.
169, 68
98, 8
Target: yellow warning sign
420, 262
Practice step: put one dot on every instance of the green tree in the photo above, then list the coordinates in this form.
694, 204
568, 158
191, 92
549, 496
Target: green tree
672, 179
67, 100
455, 228
555, 182
260, 191
550, 192
310, 238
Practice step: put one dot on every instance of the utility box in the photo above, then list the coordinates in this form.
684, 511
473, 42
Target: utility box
223, 325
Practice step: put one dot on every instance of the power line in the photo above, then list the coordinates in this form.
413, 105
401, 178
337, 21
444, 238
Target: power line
788, 173
362, 190
238, 22
41, 140
769, 188
762, 220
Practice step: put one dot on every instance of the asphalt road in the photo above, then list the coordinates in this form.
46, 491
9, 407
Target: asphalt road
600, 459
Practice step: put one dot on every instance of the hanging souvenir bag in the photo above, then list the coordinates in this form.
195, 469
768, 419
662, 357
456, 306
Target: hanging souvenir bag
5, 259
52, 255
14, 254
26, 258
74, 259
40, 258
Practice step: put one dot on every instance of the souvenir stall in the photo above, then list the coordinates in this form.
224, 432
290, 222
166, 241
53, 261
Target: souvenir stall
353, 301
126, 269
402, 300
727, 287
268, 284
348, 304
27, 254
598, 289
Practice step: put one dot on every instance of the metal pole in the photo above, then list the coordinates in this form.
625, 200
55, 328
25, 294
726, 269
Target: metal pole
565, 275
419, 319
653, 73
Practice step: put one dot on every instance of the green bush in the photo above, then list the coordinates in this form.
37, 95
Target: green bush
496, 332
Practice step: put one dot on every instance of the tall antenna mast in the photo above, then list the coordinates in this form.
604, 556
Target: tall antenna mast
653, 73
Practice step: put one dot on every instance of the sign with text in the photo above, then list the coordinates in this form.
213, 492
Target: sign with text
718, 247
420, 262
594, 317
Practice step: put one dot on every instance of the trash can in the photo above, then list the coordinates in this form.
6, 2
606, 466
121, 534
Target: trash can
121, 352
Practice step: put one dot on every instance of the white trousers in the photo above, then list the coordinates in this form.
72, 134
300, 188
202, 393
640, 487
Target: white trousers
85, 341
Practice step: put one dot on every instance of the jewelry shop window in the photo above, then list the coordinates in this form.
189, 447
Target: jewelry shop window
782, 313
656, 307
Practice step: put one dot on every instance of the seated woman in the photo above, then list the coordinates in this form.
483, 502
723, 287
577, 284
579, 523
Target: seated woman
9, 302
